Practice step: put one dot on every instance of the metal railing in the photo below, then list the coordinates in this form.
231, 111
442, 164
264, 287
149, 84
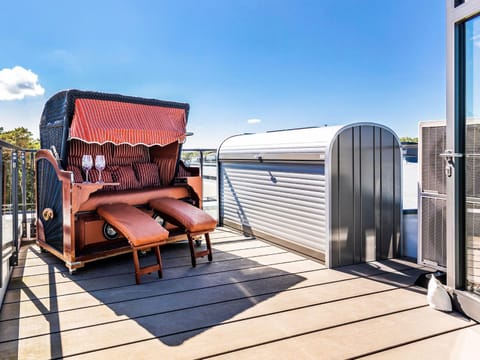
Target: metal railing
18, 199
206, 160
17, 195
17, 190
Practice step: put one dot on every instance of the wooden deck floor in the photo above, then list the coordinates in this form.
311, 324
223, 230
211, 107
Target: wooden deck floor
254, 301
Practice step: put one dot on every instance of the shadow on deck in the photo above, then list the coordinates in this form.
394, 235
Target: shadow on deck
253, 300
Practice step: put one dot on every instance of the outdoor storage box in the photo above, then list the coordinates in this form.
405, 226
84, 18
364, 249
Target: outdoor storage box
332, 192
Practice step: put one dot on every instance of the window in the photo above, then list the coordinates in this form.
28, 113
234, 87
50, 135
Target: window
471, 127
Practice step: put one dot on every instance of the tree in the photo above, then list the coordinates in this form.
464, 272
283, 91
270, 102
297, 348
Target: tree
24, 139
21, 137
409, 139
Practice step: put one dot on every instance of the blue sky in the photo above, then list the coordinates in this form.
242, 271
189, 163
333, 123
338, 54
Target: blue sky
285, 63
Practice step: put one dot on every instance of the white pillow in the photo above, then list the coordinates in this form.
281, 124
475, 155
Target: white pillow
437, 296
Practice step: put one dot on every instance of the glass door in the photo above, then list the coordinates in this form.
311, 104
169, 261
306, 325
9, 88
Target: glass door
471, 137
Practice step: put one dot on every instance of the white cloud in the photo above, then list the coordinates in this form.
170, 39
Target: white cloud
16, 83
254, 121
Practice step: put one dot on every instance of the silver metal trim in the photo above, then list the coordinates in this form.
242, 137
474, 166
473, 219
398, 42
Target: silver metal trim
450, 154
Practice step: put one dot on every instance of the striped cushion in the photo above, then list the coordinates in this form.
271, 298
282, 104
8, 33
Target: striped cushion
79, 148
77, 173
147, 174
126, 177
107, 175
126, 155
184, 171
166, 168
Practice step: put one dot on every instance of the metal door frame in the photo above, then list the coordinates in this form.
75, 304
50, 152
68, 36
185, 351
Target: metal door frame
456, 17
458, 12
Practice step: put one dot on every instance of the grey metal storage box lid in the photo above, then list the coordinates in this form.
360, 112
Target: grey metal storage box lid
332, 192
295, 144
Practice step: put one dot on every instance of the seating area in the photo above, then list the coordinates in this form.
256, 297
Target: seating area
133, 167
139, 176
140, 139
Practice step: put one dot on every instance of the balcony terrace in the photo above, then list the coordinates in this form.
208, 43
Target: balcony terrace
254, 300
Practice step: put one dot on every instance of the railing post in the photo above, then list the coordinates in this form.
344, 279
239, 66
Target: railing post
2, 181
201, 163
14, 257
33, 220
24, 196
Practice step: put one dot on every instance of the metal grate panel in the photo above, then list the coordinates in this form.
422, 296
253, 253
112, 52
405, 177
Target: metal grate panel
433, 167
432, 221
472, 161
472, 206
434, 230
472, 224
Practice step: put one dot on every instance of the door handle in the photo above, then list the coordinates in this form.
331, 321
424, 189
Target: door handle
449, 156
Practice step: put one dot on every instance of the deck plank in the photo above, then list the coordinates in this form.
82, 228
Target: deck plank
357, 338
171, 286
255, 299
461, 344
65, 284
228, 323
301, 290
223, 253
130, 292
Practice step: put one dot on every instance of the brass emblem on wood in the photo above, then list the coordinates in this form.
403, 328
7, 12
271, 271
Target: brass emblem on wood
47, 214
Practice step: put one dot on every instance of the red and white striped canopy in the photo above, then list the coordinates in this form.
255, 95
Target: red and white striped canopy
101, 121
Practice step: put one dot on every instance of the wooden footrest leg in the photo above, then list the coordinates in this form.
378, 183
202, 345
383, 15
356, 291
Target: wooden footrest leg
139, 271
192, 250
136, 263
201, 253
194, 254
209, 246
159, 261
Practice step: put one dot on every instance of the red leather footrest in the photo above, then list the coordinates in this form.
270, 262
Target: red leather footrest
138, 227
140, 230
192, 219
188, 216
